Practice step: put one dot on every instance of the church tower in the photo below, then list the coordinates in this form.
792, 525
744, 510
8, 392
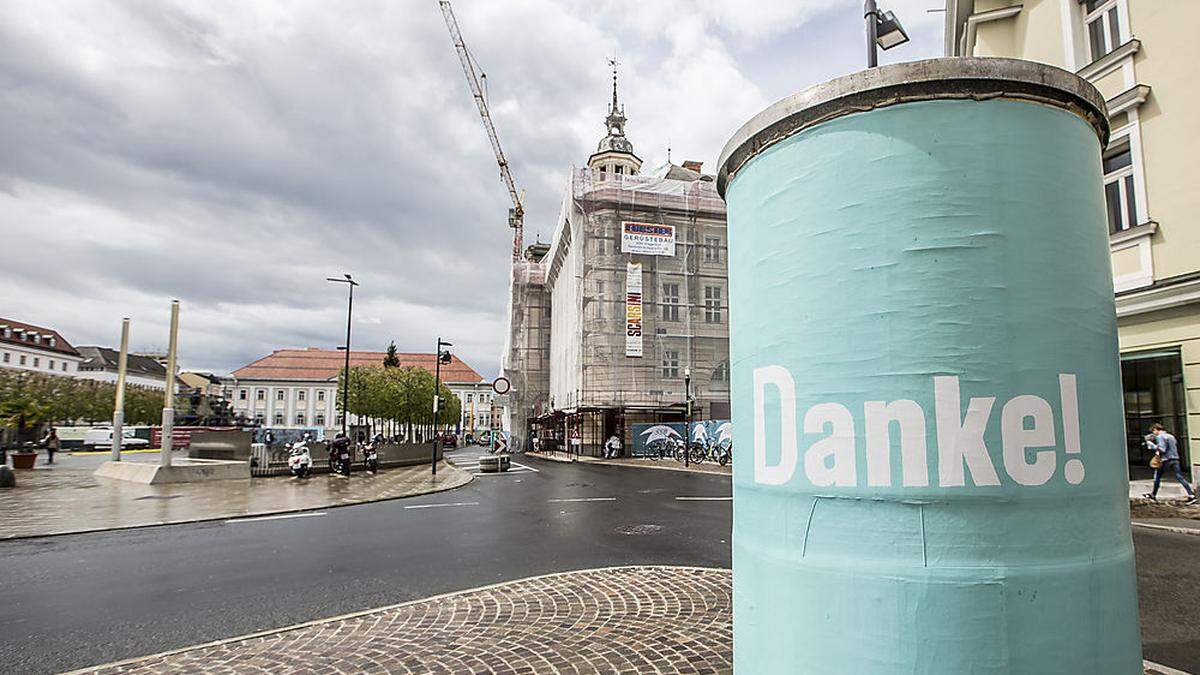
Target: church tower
614, 155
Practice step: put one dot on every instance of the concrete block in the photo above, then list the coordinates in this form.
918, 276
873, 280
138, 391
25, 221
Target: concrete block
188, 470
7, 477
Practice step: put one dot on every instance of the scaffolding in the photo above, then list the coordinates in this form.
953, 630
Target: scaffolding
568, 323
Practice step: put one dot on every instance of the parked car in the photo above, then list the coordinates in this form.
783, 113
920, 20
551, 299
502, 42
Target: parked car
449, 440
101, 438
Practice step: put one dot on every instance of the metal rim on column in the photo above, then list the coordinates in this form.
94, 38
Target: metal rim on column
933, 79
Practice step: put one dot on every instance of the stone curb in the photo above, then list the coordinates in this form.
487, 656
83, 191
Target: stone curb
365, 612
1167, 528
662, 465
208, 519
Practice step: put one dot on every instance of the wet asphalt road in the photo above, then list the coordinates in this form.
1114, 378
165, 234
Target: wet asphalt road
80, 600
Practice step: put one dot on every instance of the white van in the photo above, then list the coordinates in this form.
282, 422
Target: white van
100, 438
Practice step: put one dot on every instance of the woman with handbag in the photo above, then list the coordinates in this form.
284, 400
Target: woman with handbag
1166, 458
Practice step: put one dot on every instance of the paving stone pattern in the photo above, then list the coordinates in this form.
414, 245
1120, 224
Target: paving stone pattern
63, 499
617, 620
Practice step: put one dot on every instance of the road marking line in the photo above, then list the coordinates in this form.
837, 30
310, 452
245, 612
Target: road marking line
434, 506
583, 499
704, 499
284, 516
527, 467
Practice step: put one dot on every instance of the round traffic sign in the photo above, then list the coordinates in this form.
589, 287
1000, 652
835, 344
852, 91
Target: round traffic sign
501, 385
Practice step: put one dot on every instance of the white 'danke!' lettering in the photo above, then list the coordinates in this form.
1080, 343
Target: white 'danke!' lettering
1027, 432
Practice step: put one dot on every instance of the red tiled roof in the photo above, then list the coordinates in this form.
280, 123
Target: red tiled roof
325, 364
20, 330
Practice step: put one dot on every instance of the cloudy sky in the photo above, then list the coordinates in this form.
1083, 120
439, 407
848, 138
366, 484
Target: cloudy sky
232, 154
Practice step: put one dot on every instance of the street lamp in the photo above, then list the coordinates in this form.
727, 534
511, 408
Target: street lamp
346, 380
687, 426
883, 30
443, 356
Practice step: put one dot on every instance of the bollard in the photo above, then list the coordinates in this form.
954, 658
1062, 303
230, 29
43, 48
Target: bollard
924, 354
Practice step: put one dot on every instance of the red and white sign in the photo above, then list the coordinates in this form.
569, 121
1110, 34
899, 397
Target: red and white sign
647, 238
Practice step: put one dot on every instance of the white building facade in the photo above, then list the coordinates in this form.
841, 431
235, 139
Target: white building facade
30, 348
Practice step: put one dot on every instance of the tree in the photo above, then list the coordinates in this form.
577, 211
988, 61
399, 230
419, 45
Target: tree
391, 360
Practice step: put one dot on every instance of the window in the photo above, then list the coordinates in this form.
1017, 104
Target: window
7, 357
712, 249
320, 396
51, 364
242, 395
712, 304
670, 363
721, 372
603, 173
64, 366
258, 417
670, 302
600, 299
1103, 26
299, 419
601, 248
278, 394
1119, 194
320, 420
261, 394
278, 419
300, 395
620, 170
37, 362
469, 398
22, 359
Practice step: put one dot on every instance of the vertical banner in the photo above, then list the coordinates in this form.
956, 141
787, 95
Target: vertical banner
633, 310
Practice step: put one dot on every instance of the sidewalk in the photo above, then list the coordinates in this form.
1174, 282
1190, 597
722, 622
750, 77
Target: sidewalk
66, 498
624, 619
638, 463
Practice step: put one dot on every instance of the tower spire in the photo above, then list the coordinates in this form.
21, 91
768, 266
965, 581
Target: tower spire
613, 62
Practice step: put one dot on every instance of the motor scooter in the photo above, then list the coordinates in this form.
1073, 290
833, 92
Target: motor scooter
299, 459
339, 455
371, 454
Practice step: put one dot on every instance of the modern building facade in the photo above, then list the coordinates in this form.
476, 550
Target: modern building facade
298, 388
31, 348
1136, 52
636, 281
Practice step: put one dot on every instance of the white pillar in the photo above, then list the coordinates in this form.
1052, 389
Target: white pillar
168, 414
119, 406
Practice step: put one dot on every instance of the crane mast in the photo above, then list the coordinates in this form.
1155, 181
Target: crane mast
516, 215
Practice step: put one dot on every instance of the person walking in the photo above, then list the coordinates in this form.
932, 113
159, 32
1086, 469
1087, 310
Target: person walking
52, 445
612, 447
1167, 453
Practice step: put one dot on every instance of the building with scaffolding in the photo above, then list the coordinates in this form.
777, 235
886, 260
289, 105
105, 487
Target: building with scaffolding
628, 302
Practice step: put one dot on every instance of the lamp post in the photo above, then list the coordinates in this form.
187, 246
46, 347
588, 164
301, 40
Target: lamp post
687, 425
442, 356
883, 31
346, 380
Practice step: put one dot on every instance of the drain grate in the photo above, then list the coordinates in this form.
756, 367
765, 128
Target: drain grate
643, 529
138, 499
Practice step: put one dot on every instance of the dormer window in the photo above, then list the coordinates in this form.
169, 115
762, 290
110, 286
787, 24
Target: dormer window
52, 340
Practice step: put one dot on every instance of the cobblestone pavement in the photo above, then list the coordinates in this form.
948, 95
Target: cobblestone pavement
67, 498
615, 620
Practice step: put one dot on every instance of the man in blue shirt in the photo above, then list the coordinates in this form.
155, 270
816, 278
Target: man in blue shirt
1167, 451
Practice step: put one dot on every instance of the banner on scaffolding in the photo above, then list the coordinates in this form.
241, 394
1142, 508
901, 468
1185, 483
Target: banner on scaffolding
647, 238
633, 310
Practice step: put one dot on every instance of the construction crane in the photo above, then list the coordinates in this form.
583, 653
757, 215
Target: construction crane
516, 215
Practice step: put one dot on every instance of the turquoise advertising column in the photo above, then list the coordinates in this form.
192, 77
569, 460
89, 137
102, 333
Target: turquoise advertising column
930, 472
